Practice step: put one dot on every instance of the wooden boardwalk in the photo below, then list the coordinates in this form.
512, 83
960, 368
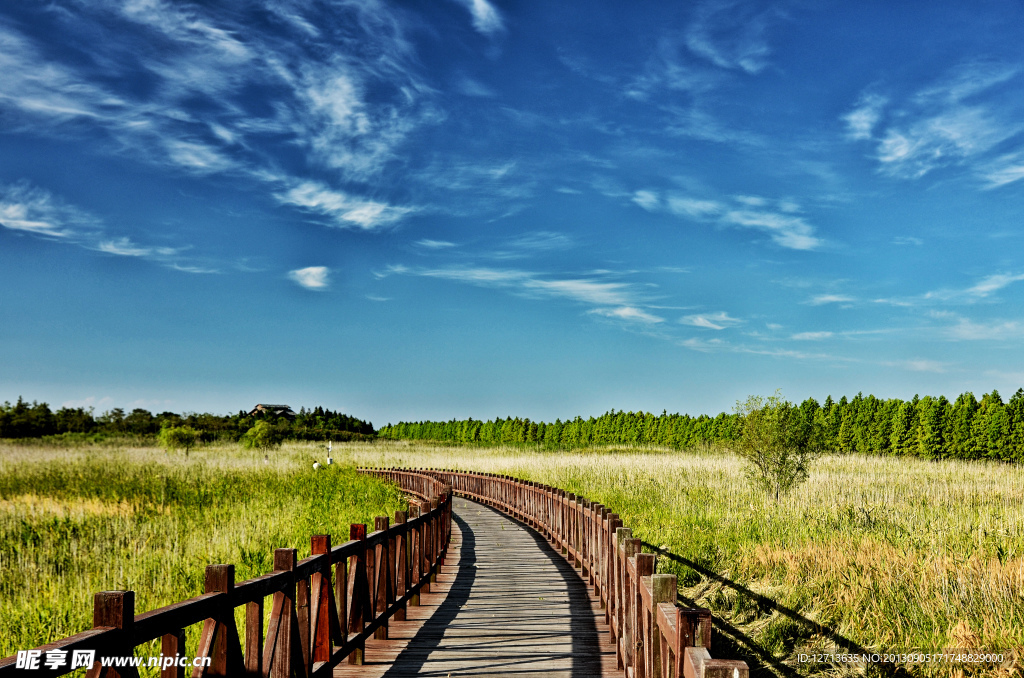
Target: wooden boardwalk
504, 604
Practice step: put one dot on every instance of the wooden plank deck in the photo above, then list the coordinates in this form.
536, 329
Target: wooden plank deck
504, 604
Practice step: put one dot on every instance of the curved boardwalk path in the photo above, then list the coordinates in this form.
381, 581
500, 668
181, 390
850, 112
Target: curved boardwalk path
504, 604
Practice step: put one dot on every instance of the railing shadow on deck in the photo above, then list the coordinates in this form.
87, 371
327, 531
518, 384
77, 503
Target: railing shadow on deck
746, 648
585, 636
412, 660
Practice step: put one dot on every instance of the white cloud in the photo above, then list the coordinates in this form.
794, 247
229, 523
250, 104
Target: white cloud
861, 121
996, 330
345, 210
711, 321
124, 247
955, 122
993, 283
923, 365
811, 336
36, 211
312, 277
486, 18
24, 207
434, 244
731, 35
647, 199
691, 207
785, 230
751, 200
178, 82
593, 291
541, 240
822, 299
1003, 170
630, 313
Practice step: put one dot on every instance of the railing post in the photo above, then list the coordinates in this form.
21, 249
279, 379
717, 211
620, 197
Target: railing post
663, 590
383, 572
435, 539
115, 609
358, 594
324, 613
401, 547
622, 534
425, 545
642, 638
219, 639
280, 656
173, 645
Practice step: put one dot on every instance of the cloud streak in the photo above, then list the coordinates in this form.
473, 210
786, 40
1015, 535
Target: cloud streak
612, 299
776, 218
711, 321
31, 210
958, 121
315, 278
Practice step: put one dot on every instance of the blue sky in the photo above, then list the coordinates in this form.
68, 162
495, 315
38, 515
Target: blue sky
412, 210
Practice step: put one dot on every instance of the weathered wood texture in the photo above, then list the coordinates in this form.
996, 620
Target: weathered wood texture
505, 604
651, 633
323, 610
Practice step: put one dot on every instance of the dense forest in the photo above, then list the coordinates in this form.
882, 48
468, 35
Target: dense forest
929, 427
36, 420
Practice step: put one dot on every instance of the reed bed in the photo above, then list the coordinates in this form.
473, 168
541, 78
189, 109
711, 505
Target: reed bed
74, 521
891, 554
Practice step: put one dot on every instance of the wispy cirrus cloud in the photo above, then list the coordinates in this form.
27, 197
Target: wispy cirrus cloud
822, 299
203, 91
968, 114
315, 278
732, 35
965, 329
779, 219
811, 336
861, 121
712, 321
429, 244
629, 313
339, 207
486, 19
612, 298
32, 210
993, 283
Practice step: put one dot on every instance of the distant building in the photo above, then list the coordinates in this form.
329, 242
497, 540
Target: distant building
278, 410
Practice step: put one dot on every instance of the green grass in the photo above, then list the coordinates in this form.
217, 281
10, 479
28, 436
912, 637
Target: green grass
891, 553
74, 521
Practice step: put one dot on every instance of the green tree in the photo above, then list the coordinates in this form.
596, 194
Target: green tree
178, 438
263, 436
774, 443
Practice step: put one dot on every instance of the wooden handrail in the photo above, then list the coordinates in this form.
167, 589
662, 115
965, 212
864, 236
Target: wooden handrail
654, 637
324, 607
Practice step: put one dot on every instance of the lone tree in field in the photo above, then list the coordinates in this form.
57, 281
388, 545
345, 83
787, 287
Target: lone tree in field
263, 436
178, 438
775, 443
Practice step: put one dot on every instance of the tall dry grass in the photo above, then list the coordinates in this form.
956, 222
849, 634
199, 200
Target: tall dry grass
890, 553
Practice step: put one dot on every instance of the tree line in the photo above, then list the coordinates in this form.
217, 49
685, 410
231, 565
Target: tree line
929, 427
37, 420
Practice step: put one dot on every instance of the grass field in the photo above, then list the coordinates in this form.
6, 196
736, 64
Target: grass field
889, 554
79, 520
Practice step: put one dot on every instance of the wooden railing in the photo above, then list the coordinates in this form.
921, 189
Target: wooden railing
324, 607
654, 637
